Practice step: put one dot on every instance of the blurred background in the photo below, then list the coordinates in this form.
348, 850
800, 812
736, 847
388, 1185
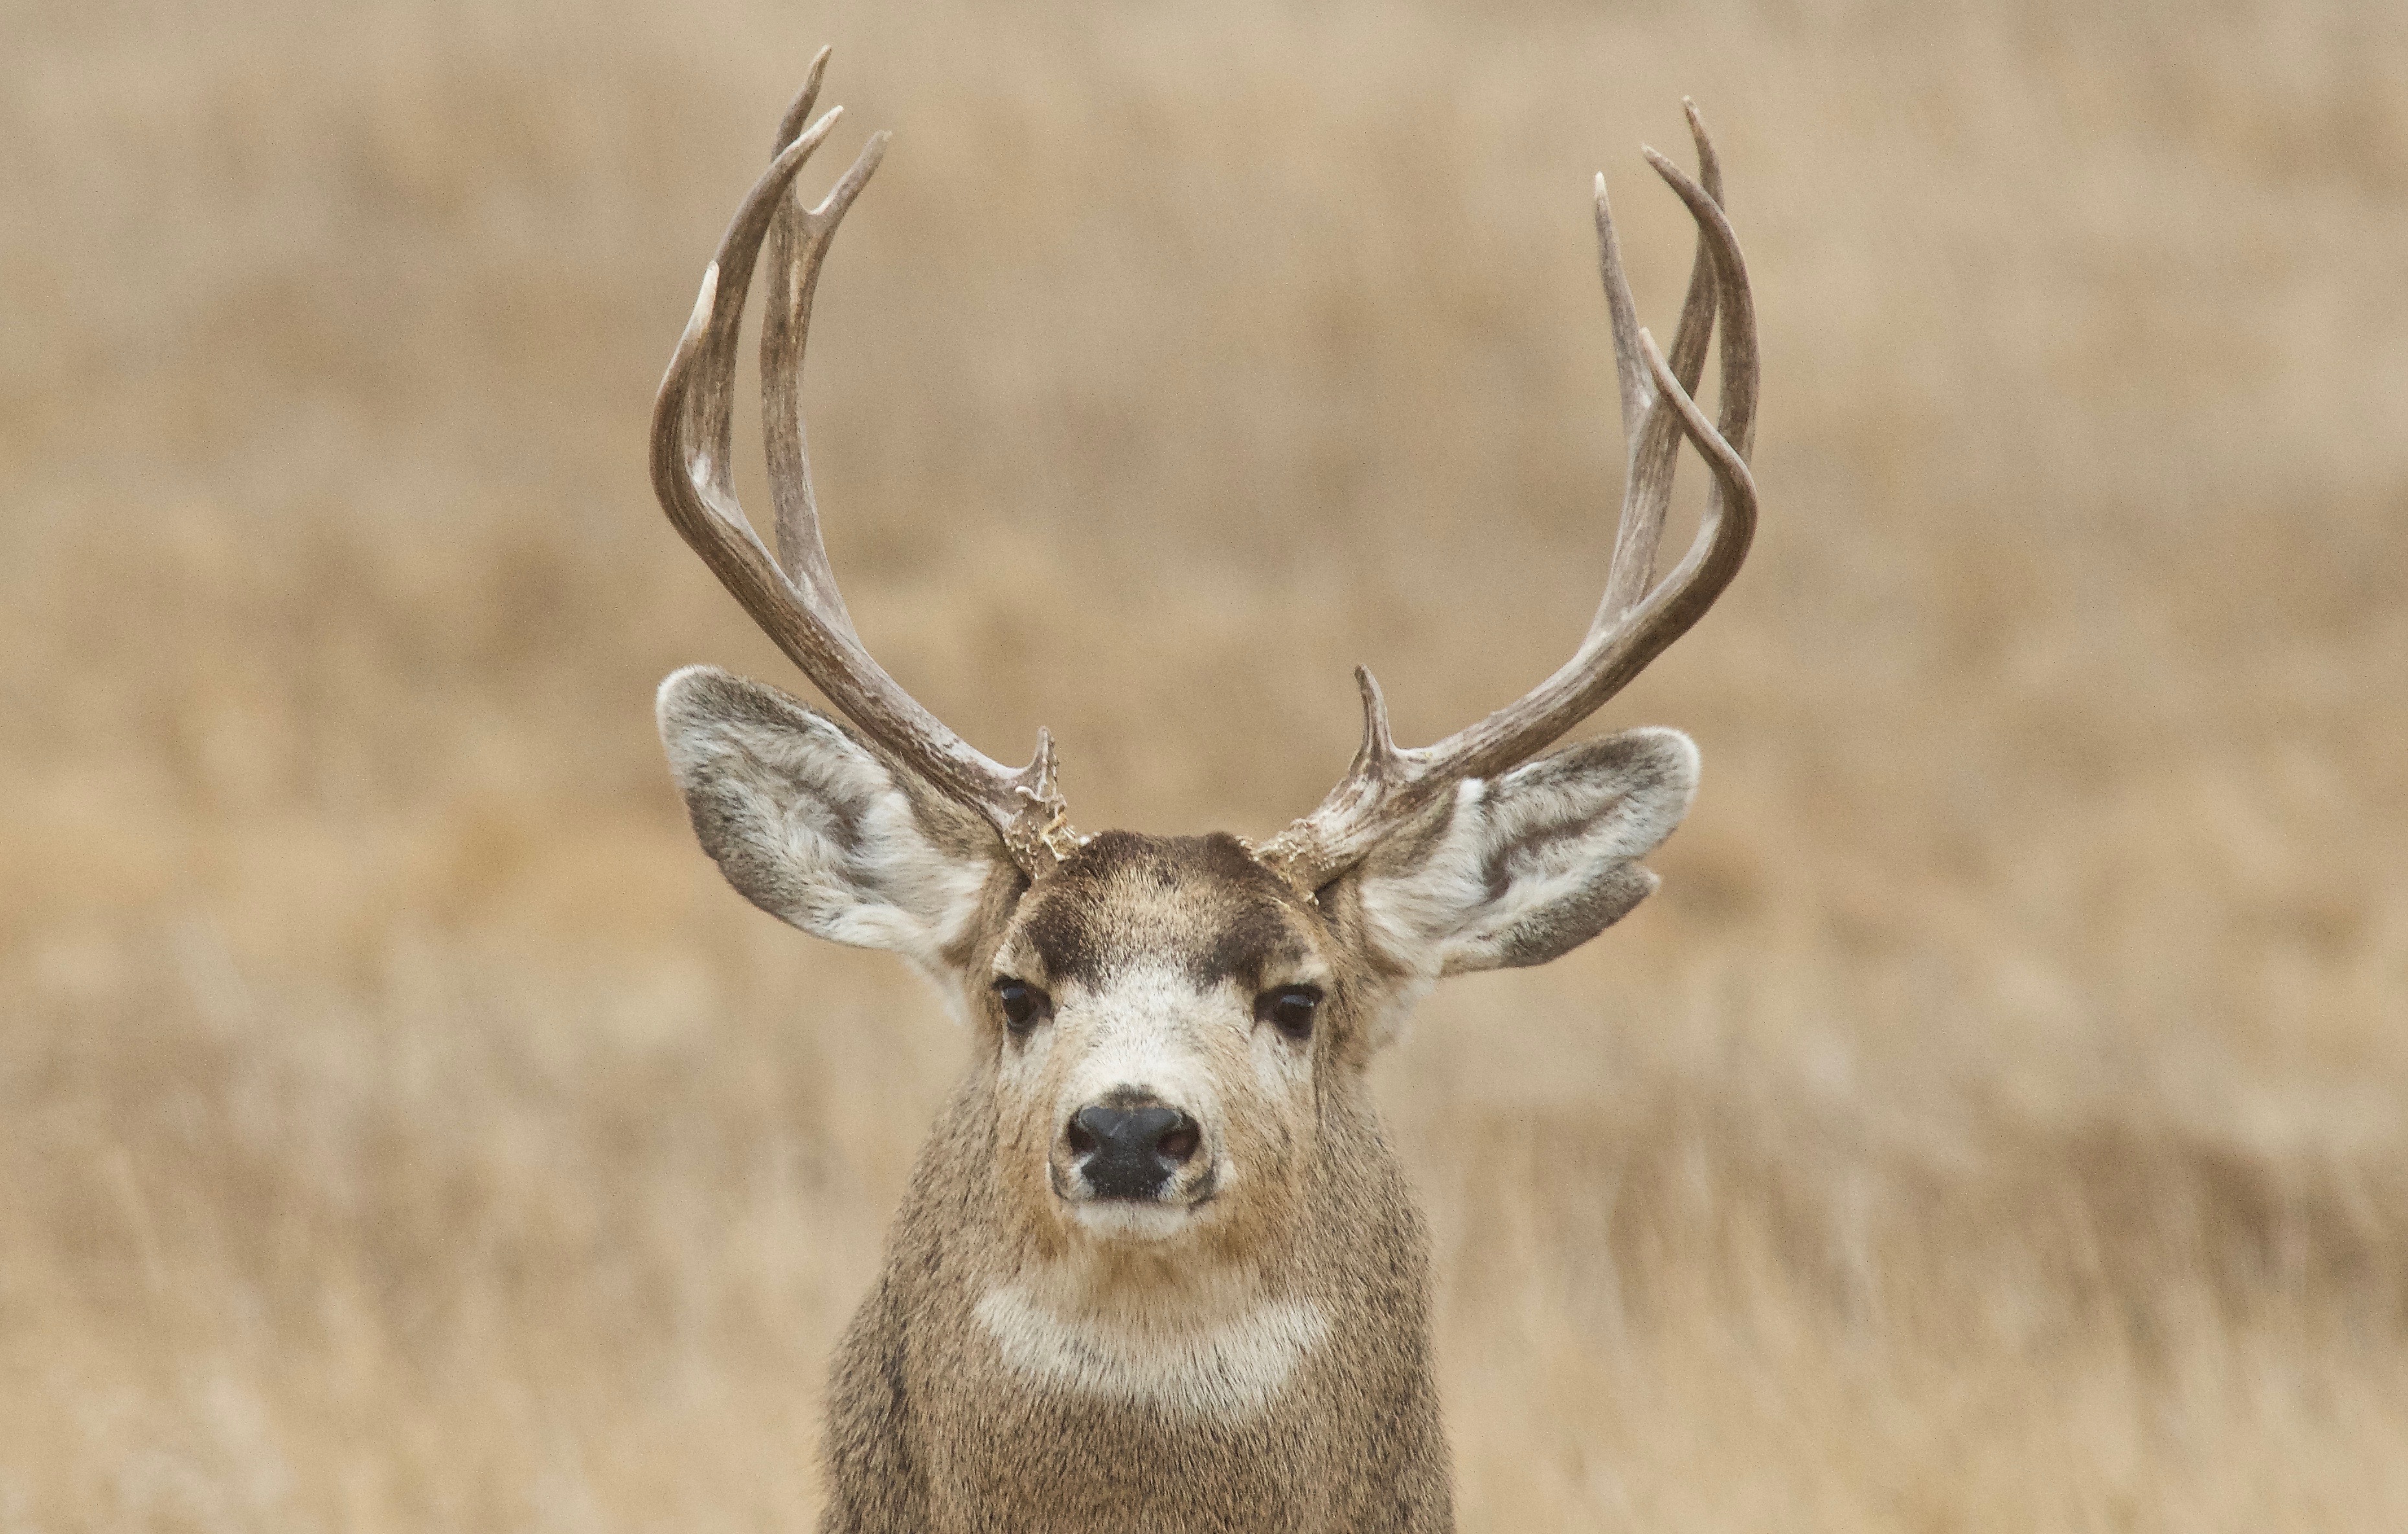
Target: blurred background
1996, 1123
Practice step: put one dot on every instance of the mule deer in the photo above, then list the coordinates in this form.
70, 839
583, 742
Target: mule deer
1157, 1268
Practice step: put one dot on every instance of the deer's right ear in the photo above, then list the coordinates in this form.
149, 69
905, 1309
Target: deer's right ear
818, 829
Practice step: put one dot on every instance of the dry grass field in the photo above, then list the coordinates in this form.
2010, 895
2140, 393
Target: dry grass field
1999, 1121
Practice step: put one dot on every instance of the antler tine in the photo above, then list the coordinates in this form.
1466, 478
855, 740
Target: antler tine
1697, 308
694, 431
798, 246
1652, 437
799, 606
1721, 545
799, 111
1388, 785
1629, 368
1736, 423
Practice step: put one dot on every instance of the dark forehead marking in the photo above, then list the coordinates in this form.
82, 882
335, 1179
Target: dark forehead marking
1250, 945
1201, 903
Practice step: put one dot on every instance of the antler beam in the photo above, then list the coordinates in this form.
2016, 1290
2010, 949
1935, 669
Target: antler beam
1388, 784
794, 596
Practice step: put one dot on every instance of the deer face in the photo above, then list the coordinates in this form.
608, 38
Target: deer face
1158, 1011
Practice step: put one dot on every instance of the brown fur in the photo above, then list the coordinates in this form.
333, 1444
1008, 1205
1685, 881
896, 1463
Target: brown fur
1247, 1348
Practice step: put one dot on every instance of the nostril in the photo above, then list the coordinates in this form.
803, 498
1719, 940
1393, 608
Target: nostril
1130, 1152
1179, 1142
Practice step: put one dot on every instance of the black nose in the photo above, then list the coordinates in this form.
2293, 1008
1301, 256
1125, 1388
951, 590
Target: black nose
1130, 1152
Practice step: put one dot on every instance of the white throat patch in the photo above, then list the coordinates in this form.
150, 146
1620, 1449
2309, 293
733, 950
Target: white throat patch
1227, 1370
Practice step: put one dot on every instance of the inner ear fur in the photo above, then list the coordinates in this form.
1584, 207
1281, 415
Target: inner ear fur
1523, 868
817, 827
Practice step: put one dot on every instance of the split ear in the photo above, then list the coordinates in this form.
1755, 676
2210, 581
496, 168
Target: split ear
817, 828
1519, 870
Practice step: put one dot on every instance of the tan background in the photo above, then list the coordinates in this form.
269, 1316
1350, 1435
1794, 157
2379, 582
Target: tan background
1996, 1123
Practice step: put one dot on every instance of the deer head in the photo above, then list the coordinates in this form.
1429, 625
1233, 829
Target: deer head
1161, 1022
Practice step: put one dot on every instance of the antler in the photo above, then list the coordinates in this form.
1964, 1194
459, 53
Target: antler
794, 596
1388, 784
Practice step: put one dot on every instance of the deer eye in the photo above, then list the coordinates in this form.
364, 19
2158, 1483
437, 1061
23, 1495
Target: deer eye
1024, 1005
1289, 1008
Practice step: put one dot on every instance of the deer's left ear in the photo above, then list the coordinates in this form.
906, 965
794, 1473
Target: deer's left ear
1518, 869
